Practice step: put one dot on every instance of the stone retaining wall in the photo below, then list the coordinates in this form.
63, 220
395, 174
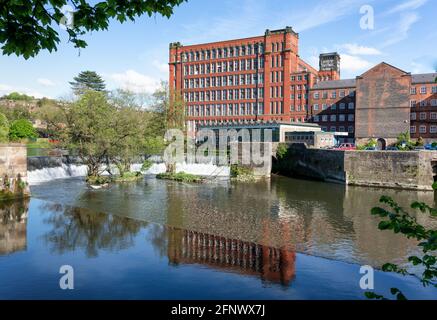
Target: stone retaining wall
13, 171
393, 169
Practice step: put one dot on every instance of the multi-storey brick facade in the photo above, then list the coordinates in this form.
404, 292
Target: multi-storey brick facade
332, 106
259, 78
264, 79
378, 104
423, 102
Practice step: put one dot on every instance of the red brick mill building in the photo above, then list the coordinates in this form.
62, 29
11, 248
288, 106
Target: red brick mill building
263, 79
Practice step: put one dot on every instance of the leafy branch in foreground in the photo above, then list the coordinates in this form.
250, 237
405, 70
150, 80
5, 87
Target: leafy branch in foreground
399, 220
26, 27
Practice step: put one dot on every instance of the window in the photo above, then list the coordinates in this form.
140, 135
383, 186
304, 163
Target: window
433, 129
423, 103
350, 129
412, 103
333, 129
324, 118
334, 94
334, 107
422, 129
434, 102
351, 105
342, 129
342, 93
316, 95
324, 106
316, 118
423, 90
413, 90
341, 117
434, 89
333, 117
413, 129
350, 117
413, 116
316, 107
324, 129
423, 116
342, 106
433, 115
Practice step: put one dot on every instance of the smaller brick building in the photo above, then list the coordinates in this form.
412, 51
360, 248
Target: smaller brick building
381, 103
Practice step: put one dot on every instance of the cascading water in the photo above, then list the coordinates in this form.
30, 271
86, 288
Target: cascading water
38, 176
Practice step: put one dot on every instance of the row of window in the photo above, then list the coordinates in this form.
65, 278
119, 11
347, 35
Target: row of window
224, 81
277, 107
423, 90
333, 118
225, 66
237, 109
349, 129
424, 103
219, 95
341, 106
299, 96
299, 108
423, 116
299, 87
341, 94
276, 92
424, 129
299, 78
220, 53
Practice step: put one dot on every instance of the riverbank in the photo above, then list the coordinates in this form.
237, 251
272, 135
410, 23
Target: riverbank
415, 170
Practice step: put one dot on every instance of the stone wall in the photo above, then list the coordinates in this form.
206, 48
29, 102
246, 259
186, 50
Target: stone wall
13, 171
395, 169
390, 169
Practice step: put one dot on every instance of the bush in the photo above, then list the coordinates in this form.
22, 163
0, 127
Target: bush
17, 97
22, 129
4, 128
282, 150
98, 180
242, 173
146, 165
181, 177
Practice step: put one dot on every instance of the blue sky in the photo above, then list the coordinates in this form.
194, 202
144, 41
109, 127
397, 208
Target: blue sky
134, 55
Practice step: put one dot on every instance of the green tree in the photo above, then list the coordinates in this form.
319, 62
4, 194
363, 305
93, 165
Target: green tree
169, 108
22, 129
87, 80
26, 27
4, 128
100, 130
16, 96
400, 221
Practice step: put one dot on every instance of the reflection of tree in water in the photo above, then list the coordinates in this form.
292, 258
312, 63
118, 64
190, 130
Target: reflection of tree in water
77, 228
13, 210
158, 237
13, 224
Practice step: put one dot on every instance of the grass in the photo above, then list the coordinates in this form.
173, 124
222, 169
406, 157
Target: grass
129, 177
180, 177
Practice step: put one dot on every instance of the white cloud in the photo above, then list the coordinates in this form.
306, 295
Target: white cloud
408, 5
135, 82
326, 12
355, 49
401, 31
6, 89
353, 64
161, 66
45, 82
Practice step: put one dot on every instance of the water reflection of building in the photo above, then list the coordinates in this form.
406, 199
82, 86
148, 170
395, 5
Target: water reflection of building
13, 222
271, 264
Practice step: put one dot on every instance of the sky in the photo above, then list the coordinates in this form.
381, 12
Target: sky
134, 56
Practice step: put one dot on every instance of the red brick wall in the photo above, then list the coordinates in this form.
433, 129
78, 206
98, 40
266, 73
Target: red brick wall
382, 103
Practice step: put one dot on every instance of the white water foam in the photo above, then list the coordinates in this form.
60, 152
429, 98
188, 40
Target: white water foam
62, 172
69, 171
